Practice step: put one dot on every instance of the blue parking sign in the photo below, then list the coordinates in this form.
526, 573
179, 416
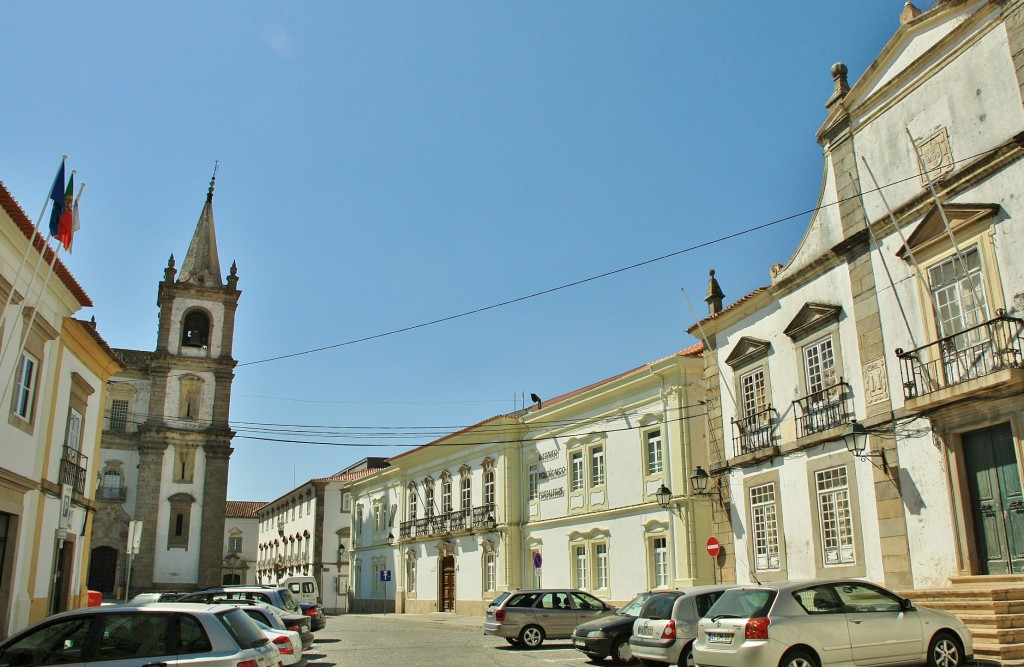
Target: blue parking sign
385, 575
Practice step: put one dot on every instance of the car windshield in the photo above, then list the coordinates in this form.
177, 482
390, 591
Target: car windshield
242, 628
743, 603
634, 607
498, 600
659, 606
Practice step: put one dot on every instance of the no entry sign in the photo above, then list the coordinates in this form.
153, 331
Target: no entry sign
714, 547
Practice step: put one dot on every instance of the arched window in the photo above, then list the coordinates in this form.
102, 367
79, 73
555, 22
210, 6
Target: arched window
196, 330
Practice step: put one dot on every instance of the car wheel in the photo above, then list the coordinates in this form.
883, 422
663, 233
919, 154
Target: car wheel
686, 656
798, 658
531, 636
945, 651
622, 652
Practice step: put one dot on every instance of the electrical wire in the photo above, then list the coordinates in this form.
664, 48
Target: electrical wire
599, 276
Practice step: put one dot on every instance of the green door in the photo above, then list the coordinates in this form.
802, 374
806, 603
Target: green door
997, 505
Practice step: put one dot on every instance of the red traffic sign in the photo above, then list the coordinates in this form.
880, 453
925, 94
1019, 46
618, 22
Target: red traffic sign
537, 559
714, 547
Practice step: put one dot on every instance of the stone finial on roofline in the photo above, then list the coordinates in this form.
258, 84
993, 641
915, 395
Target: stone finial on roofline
714, 296
842, 84
909, 13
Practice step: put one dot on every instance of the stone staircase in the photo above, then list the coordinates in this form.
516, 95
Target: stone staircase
992, 607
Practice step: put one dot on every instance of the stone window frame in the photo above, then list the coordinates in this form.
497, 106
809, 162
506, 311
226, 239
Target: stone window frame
488, 568
650, 423
466, 492
490, 485
179, 520
655, 530
858, 568
585, 544
781, 572
411, 501
36, 339
184, 471
447, 499
190, 397
581, 501
428, 495
190, 316
233, 535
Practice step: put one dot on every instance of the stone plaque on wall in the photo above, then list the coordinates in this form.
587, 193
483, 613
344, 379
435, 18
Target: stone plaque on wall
876, 386
936, 156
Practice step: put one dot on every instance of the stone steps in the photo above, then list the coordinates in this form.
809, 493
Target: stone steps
992, 607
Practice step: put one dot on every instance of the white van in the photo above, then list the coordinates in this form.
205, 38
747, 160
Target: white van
303, 588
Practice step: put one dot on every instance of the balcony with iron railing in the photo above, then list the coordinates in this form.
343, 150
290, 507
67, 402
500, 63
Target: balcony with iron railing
823, 410
753, 432
446, 523
73, 466
983, 358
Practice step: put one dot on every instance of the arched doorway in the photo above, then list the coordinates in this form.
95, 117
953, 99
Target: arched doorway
103, 569
448, 583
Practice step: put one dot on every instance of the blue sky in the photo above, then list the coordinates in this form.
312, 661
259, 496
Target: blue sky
387, 164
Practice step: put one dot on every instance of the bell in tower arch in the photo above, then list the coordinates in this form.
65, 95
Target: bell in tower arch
196, 330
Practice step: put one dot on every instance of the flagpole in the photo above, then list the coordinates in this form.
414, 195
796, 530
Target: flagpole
32, 241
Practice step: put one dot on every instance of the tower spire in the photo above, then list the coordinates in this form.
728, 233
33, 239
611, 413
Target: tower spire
202, 264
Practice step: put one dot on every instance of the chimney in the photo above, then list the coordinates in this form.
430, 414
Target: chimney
714, 296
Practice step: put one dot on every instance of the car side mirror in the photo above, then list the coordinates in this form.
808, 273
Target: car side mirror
907, 604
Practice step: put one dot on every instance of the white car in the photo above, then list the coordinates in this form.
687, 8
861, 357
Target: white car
288, 643
827, 622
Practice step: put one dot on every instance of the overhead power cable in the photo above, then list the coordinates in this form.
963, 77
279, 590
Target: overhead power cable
606, 274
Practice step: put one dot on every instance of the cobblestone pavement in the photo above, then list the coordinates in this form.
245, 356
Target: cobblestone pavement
383, 640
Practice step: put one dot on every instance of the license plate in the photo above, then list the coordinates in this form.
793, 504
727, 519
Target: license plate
717, 638
646, 631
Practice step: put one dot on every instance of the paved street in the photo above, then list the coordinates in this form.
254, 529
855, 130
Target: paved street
385, 640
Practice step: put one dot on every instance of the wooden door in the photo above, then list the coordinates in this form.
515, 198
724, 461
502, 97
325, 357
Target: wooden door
448, 583
997, 501
102, 569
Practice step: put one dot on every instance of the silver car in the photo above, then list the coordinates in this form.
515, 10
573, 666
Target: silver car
667, 624
526, 618
129, 636
827, 622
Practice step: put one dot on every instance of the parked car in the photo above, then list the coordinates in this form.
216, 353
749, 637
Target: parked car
609, 635
827, 622
667, 625
164, 634
274, 617
288, 644
279, 596
526, 618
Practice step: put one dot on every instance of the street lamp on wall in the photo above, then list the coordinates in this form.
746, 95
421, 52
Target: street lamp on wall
390, 539
490, 523
699, 481
856, 438
664, 496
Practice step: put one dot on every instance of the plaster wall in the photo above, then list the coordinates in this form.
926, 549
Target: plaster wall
177, 565
216, 314
172, 402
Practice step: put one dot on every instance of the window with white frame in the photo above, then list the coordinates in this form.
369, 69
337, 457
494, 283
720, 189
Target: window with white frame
576, 471
597, 466
466, 491
428, 496
834, 514
378, 517
489, 487
24, 392
410, 496
820, 370
655, 462
490, 571
958, 292
580, 564
74, 434
534, 480
446, 495
235, 544
410, 575
765, 523
111, 483
753, 392
601, 565
659, 562
346, 502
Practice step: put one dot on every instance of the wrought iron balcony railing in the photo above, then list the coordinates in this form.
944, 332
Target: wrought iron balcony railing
72, 468
446, 523
753, 432
821, 410
113, 493
981, 350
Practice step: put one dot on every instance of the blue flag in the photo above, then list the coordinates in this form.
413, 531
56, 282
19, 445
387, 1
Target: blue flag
57, 195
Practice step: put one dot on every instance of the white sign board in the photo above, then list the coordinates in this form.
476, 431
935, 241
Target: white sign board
134, 536
66, 493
